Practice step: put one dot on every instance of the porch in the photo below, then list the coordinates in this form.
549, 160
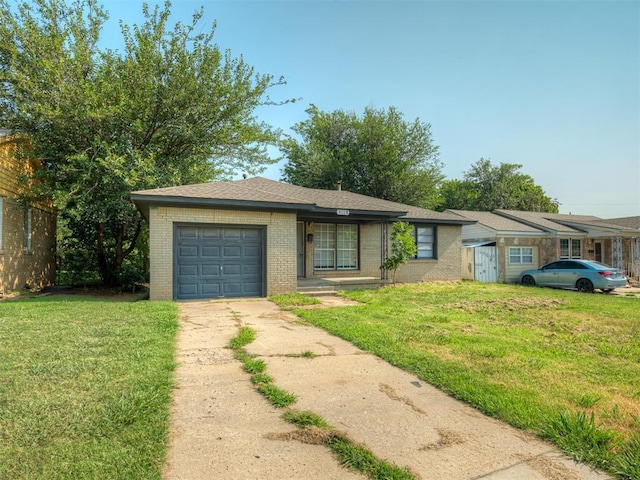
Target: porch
331, 285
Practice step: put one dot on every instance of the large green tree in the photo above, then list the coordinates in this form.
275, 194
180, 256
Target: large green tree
171, 108
487, 187
377, 154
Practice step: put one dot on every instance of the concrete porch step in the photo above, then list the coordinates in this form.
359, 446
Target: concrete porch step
329, 286
318, 292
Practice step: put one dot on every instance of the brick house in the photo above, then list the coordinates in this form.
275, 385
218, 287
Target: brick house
258, 237
524, 240
27, 235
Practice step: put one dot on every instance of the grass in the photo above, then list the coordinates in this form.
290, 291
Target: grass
85, 388
358, 457
543, 360
305, 419
245, 336
294, 300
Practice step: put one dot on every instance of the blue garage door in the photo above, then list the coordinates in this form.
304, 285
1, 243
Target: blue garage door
216, 261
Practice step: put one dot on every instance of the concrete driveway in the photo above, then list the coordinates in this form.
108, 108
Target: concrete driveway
223, 429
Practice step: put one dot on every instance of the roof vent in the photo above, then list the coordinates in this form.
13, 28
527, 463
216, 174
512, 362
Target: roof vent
339, 185
244, 175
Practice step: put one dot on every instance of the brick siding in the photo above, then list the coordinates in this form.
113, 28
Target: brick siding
447, 264
20, 267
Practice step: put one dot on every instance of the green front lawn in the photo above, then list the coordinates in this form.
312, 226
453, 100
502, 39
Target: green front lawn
561, 364
85, 388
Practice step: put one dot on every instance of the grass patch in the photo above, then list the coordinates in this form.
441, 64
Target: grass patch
276, 396
245, 336
305, 419
254, 365
524, 355
85, 388
305, 354
358, 457
294, 300
259, 378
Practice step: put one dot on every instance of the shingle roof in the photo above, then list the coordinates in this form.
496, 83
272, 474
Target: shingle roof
560, 222
265, 192
496, 222
629, 222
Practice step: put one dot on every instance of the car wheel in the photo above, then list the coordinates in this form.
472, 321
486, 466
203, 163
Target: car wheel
584, 285
528, 280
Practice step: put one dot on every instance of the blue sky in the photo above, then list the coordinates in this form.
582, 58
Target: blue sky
551, 85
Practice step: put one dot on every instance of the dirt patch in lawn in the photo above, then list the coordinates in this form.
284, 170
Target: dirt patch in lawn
327, 301
511, 304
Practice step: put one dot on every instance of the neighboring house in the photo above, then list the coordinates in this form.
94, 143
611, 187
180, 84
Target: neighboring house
497, 249
27, 234
258, 237
630, 245
530, 239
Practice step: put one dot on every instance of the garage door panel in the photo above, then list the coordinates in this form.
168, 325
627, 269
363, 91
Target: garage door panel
252, 288
188, 232
187, 270
210, 289
210, 251
254, 234
251, 251
188, 289
232, 233
188, 251
251, 269
237, 266
232, 251
210, 270
210, 232
232, 269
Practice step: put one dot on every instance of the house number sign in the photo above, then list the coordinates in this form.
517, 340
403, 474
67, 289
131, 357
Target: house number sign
342, 212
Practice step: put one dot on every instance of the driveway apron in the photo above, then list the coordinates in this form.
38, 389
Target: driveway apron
223, 428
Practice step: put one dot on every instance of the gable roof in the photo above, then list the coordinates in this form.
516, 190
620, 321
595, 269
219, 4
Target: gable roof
496, 222
261, 193
561, 223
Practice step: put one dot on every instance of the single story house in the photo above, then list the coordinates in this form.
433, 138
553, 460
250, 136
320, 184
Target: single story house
259, 237
497, 249
524, 240
27, 233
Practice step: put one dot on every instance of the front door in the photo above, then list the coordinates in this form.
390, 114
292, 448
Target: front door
598, 252
300, 247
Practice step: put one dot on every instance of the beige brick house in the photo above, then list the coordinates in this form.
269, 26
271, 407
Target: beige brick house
27, 234
258, 237
524, 240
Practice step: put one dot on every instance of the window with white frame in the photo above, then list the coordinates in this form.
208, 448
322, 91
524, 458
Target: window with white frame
28, 214
520, 255
570, 248
335, 246
425, 241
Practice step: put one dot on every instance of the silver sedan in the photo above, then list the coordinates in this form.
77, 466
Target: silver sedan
582, 275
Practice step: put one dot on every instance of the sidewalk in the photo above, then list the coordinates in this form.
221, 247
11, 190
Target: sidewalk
221, 424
